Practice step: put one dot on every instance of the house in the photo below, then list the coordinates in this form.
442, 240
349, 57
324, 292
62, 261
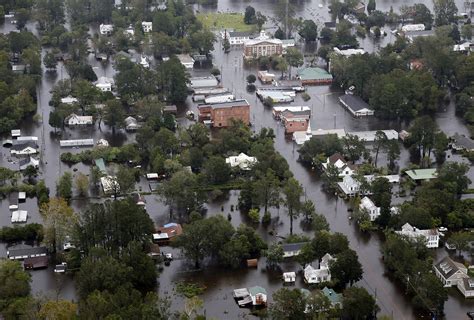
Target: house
203, 82
29, 161
462, 143
110, 185
20, 148
348, 52
276, 96
129, 32
265, 77
412, 35
258, 296
106, 29
220, 115
450, 272
322, 274
413, 27
236, 38
186, 60
144, 62
131, 124
334, 298
219, 98
356, 106
24, 252
289, 277
147, 26
422, 174
60, 268
75, 120
359, 7
351, 187
464, 47
167, 233
34, 263
19, 216
105, 84
295, 124
69, 100
76, 143
314, 76
102, 143
295, 110
466, 286
21, 196
342, 166
15, 133
403, 135
243, 161
171, 109
368, 206
292, 249
262, 46
19, 68
430, 236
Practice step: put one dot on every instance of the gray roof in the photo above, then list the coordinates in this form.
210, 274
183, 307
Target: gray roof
447, 267
22, 144
230, 104
293, 246
302, 113
354, 102
26, 251
239, 34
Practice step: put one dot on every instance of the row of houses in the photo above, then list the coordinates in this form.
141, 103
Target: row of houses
108, 29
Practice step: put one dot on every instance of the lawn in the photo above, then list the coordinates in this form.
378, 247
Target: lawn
221, 21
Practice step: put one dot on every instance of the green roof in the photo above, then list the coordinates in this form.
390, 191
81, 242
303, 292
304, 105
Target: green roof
256, 290
100, 164
422, 174
314, 74
334, 297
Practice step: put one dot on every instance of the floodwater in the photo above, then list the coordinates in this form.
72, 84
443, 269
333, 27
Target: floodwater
327, 113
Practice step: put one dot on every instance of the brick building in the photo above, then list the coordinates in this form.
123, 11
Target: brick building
219, 115
262, 46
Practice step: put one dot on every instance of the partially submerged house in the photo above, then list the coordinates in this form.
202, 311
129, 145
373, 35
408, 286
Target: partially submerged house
321, 274
69, 100
289, 277
314, 76
19, 216
462, 143
167, 233
106, 29
220, 115
422, 174
105, 84
75, 120
186, 60
265, 77
430, 236
147, 26
452, 273
368, 206
292, 249
236, 38
23, 252
203, 82
337, 160
110, 184
243, 161
26, 162
356, 106
20, 147
131, 124
262, 46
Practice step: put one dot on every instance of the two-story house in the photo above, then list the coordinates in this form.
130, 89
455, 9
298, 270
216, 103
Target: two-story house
431, 236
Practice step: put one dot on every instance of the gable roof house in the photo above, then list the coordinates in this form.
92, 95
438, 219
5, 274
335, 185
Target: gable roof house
236, 38
368, 205
23, 252
20, 147
105, 84
356, 106
342, 166
322, 274
29, 161
452, 273
75, 120
131, 124
243, 161
106, 29
431, 236
462, 143
147, 26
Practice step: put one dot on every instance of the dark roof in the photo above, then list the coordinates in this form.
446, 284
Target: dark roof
35, 262
239, 34
447, 267
20, 145
230, 104
330, 24
293, 246
26, 251
24, 161
354, 102
335, 157
170, 109
464, 141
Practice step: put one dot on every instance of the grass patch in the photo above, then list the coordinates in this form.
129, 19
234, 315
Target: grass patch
189, 290
221, 21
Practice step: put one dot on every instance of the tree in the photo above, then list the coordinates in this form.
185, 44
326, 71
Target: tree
358, 303
308, 210
445, 12
173, 80
343, 37
274, 255
371, 6
308, 30
59, 220
422, 134
393, 152
292, 192
58, 310
461, 240
234, 251
354, 148
379, 143
216, 170
114, 115
294, 58
260, 20
50, 61
251, 78
226, 45
250, 15
125, 180
30, 172
182, 191
203, 41
346, 269
82, 184
466, 31
288, 305
64, 186
56, 120
14, 285
266, 190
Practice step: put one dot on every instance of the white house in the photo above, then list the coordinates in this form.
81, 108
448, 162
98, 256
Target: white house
236, 38
144, 62
130, 32
131, 124
186, 60
147, 26
242, 161
106, 29
29, 161
322, 274
431, 236
19, 216
368, 205
69, 100
292, 249
104, 84
351, 186
75, 120
452, 273
289, 277
342, 166
24, 148
413, 27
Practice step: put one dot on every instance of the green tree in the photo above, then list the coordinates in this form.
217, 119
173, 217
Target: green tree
203, 41
64, 186
249, 16
14, 282
288, 305
59, 310
294, 58
320, 223
251, 78
358, 303
173, 80
371, 6
308, 30
82, 184
114, 115
125, 180
292, 192
445, 12
466, 32
182, 191
266, 190
49, 61
274, 255
56, 120
379, 143
59, 220
353, 147
346, 269
30, 172
216, 170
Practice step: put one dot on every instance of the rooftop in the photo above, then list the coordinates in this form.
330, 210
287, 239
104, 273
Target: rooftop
229, 104
314, 73
293, 246
422, 174
354, 102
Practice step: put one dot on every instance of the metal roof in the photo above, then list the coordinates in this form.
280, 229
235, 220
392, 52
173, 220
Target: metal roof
422, 174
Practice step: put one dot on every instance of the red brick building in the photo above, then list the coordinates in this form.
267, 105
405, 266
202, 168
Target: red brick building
219, 115
295, 124
262, 46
